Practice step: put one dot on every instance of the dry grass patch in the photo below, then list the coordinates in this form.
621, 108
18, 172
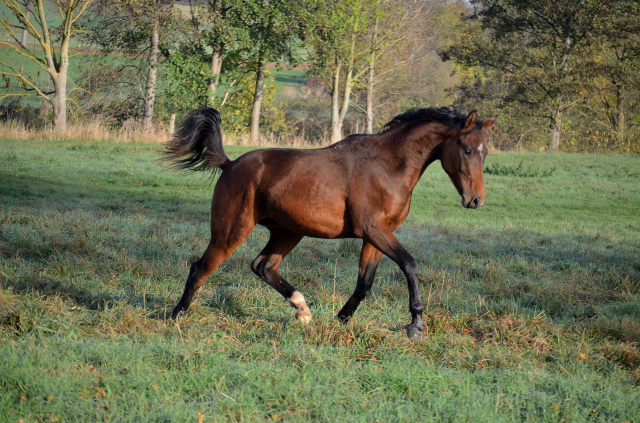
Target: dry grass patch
94, 130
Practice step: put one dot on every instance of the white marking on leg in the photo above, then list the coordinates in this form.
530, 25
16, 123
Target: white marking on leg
302, 311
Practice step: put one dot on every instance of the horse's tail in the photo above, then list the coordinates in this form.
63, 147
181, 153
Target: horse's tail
199, 139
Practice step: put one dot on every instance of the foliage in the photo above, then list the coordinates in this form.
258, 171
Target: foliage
134, 28
272, 29
124, 26
518, 171
541, 57
109, 91
185, 83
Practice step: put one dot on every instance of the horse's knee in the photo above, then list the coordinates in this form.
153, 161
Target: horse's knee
267, 266
194, 271
255, 265
263, 266
411, 267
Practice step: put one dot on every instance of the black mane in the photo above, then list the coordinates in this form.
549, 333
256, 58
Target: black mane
413, 117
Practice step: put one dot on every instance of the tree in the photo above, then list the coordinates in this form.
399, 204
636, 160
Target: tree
334, 44
212, 27
538, 47
134, 28
213, 64
273, 28
397, 36
616, 64
54, 59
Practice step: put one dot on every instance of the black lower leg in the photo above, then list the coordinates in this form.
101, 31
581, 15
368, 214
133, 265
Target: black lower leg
267, 268
262, 267
189, 289
416, 327
387, 243
362, 289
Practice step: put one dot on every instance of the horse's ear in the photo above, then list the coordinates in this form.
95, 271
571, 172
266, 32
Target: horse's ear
488, 123
470, 123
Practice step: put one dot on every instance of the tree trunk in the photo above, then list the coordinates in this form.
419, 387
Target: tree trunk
336, 125
346, 97
257, 100
59, 102
338, 113
150, 93
370, 82
555, 130
369, 109
25, 33
216, 67
621, 126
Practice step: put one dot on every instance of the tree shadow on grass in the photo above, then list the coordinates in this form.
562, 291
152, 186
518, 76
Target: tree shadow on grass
94, 300
64, 196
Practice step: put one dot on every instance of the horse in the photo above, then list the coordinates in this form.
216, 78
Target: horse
360, 187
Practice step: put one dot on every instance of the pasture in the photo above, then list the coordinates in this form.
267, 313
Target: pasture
532, 302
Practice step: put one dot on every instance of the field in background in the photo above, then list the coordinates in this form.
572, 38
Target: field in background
532, 301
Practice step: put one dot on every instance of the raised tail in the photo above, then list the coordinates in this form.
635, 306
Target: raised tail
197, 145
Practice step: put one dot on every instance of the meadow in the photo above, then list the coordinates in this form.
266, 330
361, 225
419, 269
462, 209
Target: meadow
532, 302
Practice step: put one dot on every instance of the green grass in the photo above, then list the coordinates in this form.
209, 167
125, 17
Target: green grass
532, 301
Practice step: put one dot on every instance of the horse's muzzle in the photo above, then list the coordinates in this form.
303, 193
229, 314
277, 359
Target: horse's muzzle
473, 204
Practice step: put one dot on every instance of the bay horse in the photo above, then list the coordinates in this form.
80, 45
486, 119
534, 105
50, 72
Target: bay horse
359, 187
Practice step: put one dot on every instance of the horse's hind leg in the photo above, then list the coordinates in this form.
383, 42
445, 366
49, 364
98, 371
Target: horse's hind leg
369, 259
223, 241
266, 265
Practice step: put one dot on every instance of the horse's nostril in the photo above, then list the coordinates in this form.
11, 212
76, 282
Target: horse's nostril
475, 203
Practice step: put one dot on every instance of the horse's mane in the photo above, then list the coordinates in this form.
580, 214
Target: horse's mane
413, 117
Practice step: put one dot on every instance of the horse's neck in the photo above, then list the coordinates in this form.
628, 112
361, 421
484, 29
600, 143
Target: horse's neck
419, 147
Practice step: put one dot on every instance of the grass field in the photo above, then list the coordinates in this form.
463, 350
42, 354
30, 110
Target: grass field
532, 302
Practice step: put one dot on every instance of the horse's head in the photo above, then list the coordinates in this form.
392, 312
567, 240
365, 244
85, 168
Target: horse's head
462, 157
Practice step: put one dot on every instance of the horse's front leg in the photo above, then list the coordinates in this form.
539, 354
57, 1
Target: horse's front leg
386, 242
369, 259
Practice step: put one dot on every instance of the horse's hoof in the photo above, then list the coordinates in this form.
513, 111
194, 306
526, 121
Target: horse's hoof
302, 311
343, 319
414, 332
304, 317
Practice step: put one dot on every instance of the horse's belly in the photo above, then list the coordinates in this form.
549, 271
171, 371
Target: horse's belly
313, 216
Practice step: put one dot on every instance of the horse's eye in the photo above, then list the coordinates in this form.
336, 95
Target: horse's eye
467, 152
